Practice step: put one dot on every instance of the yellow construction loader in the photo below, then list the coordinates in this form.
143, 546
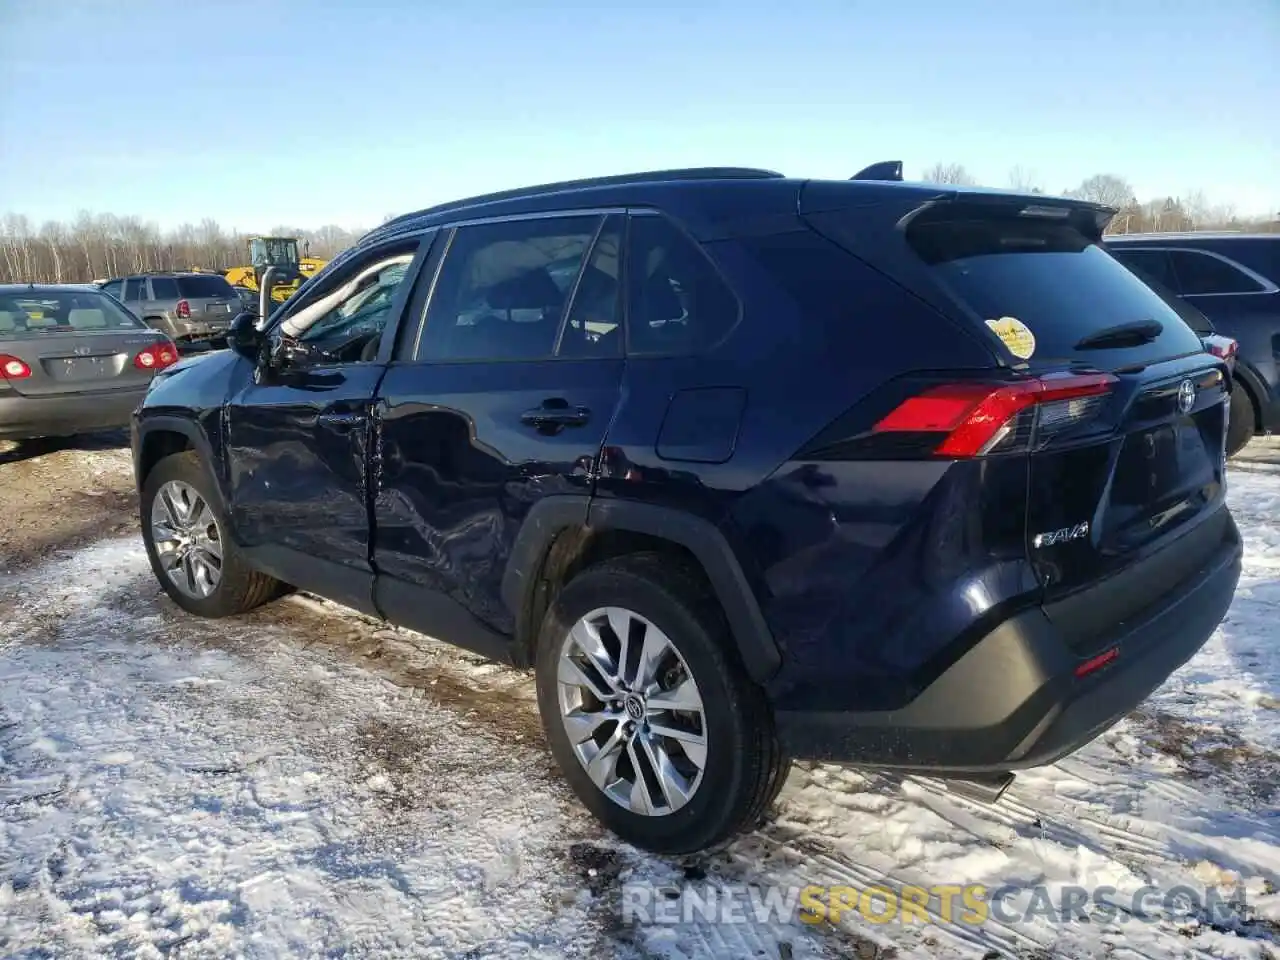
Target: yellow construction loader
278, 252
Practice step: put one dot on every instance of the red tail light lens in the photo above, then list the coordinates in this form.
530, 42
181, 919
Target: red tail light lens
1094, 664
184, 310
11, 368
157, 356
1224, 348
980, 418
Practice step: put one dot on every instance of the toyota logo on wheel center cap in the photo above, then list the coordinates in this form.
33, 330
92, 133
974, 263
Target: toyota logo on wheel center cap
635, 709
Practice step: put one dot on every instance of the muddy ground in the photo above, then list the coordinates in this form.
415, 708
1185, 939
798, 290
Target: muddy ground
59, 494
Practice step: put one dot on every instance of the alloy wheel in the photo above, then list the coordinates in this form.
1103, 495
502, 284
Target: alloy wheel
632, 711
187, 540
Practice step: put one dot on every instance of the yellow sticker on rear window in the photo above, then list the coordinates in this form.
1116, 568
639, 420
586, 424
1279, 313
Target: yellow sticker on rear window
1015, 335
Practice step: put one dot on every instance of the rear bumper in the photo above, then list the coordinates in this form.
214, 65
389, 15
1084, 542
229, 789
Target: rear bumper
1013, 700
199, 330
26, 417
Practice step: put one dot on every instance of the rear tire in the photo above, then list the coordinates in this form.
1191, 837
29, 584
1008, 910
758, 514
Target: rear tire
1243, 418
742, 764
238, 587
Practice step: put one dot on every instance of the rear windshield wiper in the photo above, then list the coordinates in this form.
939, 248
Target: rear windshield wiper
1123, 335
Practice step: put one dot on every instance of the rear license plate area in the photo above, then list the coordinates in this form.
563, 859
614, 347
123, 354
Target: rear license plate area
1167, 460
82, 368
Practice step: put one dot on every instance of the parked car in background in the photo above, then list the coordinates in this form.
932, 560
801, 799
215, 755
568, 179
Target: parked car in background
744, 467
1234, 279
248, 298
189, 308
72, 360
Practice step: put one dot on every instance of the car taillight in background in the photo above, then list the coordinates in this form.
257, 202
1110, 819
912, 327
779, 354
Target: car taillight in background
11, 368
961, 420
157, 356
183, 310
1224, 348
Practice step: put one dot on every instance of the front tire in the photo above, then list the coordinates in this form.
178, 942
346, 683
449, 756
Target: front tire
198, 565
648, 711
1240, 429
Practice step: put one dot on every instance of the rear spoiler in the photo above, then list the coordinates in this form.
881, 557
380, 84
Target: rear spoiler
884, 170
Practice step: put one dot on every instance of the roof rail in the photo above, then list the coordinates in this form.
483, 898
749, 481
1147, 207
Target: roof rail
884, 170
649, 176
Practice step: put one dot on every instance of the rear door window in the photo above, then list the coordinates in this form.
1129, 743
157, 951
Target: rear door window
594, 325
1148, 264
503, 289
1048, 279
1202, 273
164, 288
209, 287
135, 289
677, 300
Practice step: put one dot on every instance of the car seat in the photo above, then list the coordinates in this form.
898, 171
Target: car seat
84, 318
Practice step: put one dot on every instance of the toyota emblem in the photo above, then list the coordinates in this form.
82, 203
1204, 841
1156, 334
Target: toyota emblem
1186, 396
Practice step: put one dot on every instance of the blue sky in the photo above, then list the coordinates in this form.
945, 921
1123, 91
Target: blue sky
303, 113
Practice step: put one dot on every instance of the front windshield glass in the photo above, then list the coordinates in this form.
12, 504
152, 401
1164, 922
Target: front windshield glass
273, 252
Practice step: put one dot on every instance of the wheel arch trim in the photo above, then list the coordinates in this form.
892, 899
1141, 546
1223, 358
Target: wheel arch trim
149, 426
552, 515
1266, 411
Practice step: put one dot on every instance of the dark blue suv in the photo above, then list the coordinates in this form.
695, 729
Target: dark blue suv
1234, 280
745, 467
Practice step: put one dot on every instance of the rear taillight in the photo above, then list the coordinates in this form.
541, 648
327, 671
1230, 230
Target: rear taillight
184, 310
11, 368
1224, 348
157, 356
1094, 664
959, 420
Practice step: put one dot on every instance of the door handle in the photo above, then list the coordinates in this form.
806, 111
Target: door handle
556, 415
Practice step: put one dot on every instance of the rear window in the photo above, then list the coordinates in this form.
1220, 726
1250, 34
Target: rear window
1050, 279
1156, 271
164, 288
1148, 264
48, 314
210, 286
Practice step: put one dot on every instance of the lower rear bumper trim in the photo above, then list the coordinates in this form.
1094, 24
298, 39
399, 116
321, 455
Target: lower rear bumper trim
1013, 701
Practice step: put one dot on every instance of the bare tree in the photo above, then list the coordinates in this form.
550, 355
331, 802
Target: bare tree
949, 173
1024, 180
1106, 189
51, 237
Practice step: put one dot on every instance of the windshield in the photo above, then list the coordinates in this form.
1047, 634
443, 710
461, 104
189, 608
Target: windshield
273, 251
46, 313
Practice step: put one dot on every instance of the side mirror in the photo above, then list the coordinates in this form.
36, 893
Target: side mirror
244, 337
285, 353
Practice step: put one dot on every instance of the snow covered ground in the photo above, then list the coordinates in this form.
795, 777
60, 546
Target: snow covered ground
303, 782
